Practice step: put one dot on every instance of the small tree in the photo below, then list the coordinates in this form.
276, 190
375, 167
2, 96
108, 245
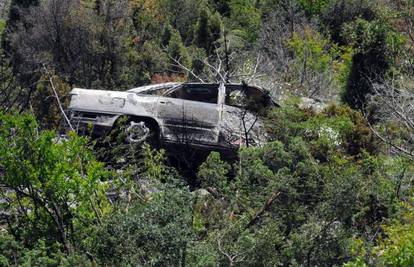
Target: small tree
208, 30
393, 105
52, 187
371, 61
177, 51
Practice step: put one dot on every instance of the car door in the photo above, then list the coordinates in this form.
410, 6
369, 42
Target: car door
241, 123
190, 114
170, 112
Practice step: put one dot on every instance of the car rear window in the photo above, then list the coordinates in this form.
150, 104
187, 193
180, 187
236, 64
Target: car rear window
244, 96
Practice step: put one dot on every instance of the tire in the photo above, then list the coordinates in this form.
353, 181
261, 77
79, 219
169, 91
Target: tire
124, 140
137, 132
141, 131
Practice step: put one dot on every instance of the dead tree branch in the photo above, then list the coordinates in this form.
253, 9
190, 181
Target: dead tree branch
265, 208
57, 98
181, 66
394, 104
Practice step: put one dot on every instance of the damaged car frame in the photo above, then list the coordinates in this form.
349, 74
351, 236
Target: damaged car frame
207, 115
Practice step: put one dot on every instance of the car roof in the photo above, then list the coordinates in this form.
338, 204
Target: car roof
152, 87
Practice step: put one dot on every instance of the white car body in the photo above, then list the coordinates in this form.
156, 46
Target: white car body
196, 114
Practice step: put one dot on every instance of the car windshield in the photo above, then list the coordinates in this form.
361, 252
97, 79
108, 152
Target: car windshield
153, 89
156, 92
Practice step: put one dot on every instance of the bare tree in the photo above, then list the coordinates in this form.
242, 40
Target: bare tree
278, 26
283, 69
232, 257
56, 95
393, 105
82, 44
10, 92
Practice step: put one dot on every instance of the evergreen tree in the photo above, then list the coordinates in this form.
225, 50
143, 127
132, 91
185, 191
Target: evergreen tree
208, 30
370, 62
166, 35
222, 6
178, 51
203, 34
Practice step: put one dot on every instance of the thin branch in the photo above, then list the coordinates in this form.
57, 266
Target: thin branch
389, 142
265, 207
216, 70
57, 98
178, 64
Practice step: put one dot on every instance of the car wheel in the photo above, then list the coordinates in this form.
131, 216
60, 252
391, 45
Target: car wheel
137, 132
140, 132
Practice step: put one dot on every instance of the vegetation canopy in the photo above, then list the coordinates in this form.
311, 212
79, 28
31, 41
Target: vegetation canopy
331, 186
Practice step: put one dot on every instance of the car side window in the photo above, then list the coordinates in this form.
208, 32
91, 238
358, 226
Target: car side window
196, 92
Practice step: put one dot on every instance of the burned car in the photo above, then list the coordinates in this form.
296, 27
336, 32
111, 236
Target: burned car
209, 115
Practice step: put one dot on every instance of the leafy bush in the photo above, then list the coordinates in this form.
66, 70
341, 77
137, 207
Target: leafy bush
313, 7
2, 26
298, 200
14, 253
337, 127
154, 227
394, 248
151, 233
52, 187
246, 18
320, 66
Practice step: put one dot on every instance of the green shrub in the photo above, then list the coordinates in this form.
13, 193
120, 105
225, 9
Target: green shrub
53, 186
155, 232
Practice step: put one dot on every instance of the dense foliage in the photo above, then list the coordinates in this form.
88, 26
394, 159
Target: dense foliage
332, 187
